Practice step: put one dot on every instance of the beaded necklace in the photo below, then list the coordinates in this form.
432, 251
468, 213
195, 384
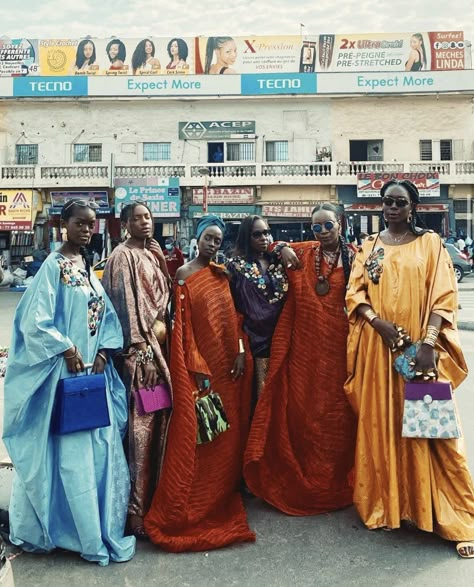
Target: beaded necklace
322, 283
275, 272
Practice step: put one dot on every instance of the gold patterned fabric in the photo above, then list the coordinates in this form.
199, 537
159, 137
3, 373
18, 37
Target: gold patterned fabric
423, 481
139, 291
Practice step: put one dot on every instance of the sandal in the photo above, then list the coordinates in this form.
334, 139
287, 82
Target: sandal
465, 549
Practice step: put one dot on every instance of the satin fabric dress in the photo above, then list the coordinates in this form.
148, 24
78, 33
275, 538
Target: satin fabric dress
197, 505
300, 451
69, 491
423, 481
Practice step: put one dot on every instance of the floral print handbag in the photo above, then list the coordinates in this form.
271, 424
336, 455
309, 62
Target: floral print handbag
429, 411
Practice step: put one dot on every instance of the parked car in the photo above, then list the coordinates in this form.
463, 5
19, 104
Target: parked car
460, 261
99, 268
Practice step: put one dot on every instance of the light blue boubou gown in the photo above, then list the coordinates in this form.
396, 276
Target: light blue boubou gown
69, 491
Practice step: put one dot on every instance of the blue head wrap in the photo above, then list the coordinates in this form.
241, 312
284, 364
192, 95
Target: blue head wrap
209, 220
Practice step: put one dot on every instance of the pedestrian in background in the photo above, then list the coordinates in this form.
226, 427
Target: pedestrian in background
404, 276
136, 279
173, 256
69, 491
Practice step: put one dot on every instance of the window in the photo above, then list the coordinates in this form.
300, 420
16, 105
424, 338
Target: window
366, 150
426, 151
446, 150
27, 154
240, 151
276, 150
156, 151
87, 153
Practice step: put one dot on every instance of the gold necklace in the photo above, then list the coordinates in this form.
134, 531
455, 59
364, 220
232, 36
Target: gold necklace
399, 239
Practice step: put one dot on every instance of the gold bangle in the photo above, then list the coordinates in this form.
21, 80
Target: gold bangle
370, 316
74, 355
102, 356
241, 345
430, 341
432, 331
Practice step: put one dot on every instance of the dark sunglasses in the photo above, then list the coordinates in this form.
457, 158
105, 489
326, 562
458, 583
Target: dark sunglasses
328, 225
260, 233
399, 202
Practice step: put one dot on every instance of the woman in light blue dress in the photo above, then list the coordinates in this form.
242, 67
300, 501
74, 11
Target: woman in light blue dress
70, 491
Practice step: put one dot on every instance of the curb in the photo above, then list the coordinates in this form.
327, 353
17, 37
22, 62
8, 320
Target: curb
466, 325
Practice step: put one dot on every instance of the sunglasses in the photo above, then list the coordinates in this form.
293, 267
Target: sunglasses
328, 225
82, 204
399, 202
260, 233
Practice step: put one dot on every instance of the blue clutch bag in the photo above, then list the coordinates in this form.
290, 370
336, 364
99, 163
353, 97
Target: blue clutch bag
402, 362
80, 404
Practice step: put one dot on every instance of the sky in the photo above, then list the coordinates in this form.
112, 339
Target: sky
140, 18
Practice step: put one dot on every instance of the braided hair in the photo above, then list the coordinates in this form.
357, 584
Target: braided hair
67, 212
416, 225
346, 254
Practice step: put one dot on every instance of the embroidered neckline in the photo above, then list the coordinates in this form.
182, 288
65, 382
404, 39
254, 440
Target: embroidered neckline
275, 272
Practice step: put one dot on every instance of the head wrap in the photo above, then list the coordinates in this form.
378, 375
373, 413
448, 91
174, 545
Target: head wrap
209, 220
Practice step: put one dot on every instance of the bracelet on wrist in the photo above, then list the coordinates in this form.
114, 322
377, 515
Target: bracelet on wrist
431, 336
72, 356
370, 316
102, 356
241, 345
145, 357
277, 249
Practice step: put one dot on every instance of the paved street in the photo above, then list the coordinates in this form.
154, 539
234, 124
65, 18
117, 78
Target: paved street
324, 550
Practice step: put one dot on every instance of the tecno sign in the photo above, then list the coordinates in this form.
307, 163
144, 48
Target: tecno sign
50, 86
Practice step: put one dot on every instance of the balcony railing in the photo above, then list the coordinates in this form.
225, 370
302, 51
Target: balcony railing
227, 174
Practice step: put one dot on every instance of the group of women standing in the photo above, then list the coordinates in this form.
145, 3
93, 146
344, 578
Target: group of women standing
294, 339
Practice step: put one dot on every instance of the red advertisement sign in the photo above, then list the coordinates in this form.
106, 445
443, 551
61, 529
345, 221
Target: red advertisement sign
447, 50
370, 184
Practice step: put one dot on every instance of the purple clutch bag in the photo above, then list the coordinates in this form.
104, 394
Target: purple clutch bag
437, 390
152, 400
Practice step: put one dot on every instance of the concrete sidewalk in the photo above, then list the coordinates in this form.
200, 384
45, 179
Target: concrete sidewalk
466, 301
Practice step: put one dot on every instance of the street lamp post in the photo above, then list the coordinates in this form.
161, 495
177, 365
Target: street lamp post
204, 172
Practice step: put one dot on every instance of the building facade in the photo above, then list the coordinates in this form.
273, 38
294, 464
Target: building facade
274, 155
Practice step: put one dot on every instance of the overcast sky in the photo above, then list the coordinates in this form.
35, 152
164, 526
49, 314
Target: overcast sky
139, 18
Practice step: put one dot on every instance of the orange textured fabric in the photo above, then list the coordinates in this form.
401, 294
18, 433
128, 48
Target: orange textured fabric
301, 446
424, 481
197, 505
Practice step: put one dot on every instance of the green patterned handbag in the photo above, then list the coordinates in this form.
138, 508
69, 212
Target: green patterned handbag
211, 418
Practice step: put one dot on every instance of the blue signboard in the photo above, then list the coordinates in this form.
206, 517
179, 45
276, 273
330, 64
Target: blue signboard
161, 195
278, 83
50, 86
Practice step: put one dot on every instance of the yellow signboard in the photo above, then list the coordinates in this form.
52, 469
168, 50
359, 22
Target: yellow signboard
16, 209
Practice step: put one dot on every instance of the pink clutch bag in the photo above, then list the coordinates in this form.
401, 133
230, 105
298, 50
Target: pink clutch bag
152, 400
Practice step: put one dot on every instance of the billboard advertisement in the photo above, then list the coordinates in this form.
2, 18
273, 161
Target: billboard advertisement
418, 51
370, 184
226, 55
16, 209
222, 196
161, 195
116, 57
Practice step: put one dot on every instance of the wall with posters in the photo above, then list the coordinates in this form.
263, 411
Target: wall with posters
224, 55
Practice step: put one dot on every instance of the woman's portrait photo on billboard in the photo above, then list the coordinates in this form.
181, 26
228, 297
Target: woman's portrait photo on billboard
117, 53
143, 58
221, 54
178, 53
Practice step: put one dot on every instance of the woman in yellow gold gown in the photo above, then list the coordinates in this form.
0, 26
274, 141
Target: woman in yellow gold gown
405, 276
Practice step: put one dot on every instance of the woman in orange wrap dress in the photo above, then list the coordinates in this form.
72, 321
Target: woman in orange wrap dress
197, 505
405, 276
300, 452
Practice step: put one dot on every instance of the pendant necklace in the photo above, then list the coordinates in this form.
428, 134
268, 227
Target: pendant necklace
399, 239
322, 283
